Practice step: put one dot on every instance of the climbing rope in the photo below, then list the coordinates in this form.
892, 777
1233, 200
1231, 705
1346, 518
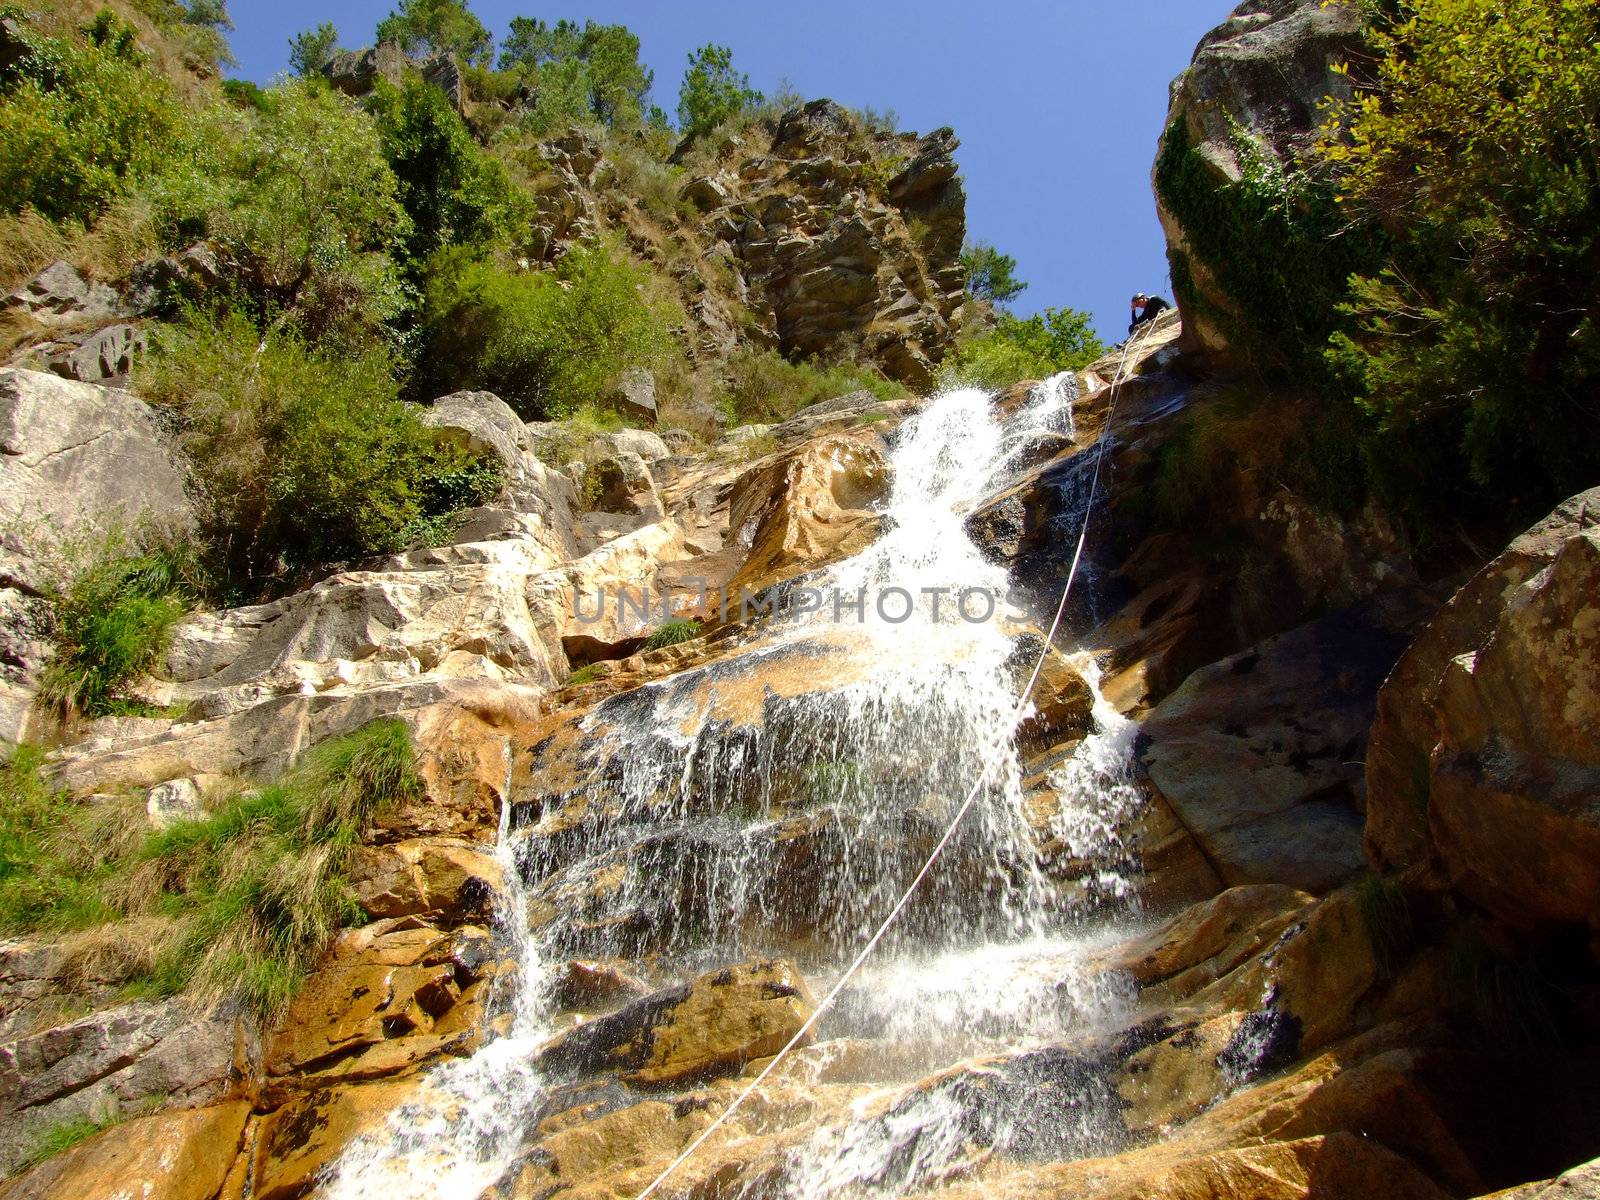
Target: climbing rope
983, 776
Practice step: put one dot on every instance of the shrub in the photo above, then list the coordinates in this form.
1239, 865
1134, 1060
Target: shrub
112, 618
240, 902
671, 633
1059, 339
1480, 331
763, 387
300, 457
712, 91
313, 211
547, 343
79, 123
453, 192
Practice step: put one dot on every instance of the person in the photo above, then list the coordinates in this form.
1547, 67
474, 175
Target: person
1146, 308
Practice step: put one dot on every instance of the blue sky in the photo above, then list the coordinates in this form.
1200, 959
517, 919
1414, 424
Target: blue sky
1058, 103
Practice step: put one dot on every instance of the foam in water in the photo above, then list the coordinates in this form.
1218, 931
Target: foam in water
683, 810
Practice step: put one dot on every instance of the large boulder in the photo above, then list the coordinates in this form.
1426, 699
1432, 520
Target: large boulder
108, 1064
1260, 78
634, 396
1484, 766
73, 457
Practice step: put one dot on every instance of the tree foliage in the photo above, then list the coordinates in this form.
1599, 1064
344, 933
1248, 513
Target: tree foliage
712, 91
425, 27
313, 49
991, 275
1479, 148
590, 72
314, 210
452, 191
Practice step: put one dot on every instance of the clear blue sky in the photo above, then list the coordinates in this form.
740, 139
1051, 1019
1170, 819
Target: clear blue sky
1058, 103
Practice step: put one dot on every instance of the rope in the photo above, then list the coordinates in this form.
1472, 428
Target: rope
955, 822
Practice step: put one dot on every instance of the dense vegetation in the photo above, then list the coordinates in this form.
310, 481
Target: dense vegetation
1428, 280
1481, 328
238, 901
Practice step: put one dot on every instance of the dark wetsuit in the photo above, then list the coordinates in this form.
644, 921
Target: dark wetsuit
1153, 308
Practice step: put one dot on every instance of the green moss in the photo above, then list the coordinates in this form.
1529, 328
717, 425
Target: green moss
1273, 242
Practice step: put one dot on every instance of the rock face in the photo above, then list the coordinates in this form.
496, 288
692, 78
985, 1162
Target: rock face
827, 260
108, 1064
1261, 75
712, 1026
73, 457
1484, 765
1260, 753
58, 295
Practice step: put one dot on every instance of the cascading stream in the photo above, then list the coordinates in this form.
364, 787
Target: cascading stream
792, 825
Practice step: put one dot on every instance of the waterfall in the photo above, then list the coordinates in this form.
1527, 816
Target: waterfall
458, 1136
728, 817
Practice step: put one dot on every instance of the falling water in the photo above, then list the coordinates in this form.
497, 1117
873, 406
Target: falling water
791, 822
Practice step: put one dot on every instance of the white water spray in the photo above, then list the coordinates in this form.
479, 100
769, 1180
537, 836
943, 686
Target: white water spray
684, 814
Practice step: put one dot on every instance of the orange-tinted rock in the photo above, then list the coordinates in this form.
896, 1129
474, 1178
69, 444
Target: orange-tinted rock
183, 1155
424, 875
711, 1026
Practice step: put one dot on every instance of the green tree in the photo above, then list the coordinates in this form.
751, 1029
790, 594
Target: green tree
436, 27
599, 62
712, 91
453, 192
313, 49
314, 211
991, 275
1481, 153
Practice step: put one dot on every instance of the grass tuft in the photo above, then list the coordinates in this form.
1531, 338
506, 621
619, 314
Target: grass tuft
61, 1137
113, 613
671, 633
238, 903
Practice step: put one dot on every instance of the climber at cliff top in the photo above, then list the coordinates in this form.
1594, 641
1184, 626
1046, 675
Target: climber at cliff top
1146, 308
